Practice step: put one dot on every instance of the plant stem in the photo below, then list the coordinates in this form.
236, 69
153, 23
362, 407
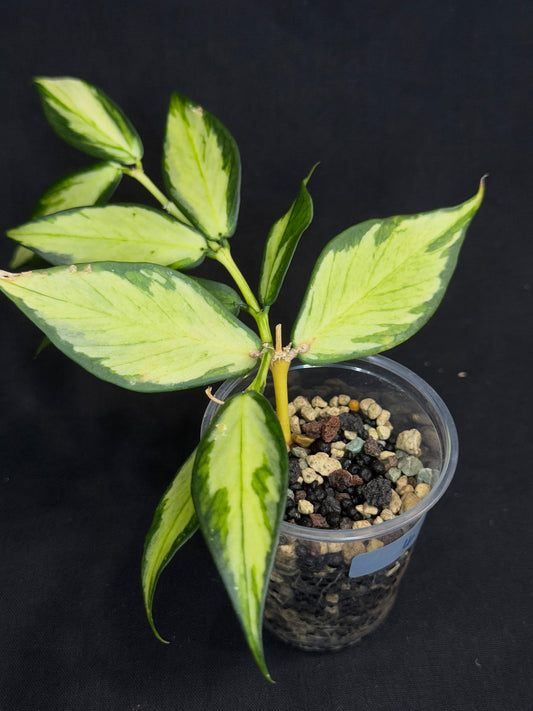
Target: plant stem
279, 368
259, 381
224, 257
140, 176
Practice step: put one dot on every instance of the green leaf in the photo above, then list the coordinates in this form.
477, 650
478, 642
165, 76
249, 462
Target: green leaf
93, 185
202, 168
227, 296
173, 524
377, 283
239, 486
282, 241
144, 327
121, 233
82, 115
22, 255
89, 186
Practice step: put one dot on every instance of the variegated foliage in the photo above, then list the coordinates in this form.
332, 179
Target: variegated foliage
116, 304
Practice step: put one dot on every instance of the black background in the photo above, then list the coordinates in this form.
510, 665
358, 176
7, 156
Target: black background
406, 105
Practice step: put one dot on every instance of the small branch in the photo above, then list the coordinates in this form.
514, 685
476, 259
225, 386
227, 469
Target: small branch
140, 176
224, 257
258, 383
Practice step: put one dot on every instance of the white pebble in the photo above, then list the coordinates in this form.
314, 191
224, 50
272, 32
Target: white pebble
409, 441
374, 410
422, 490
386, 514
383, 432
300, 402
365, 404
309, 475
294, 422
409, 500
344, 399
318, 402
361, 524
305, 507
367, 510
308, 413
383, 417
395, 502
322, 463
333, 411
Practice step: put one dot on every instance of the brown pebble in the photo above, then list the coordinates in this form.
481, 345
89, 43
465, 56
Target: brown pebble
312, 429
299, 494
390, 462
412, 480
340, 480
318, 520
330, 428
371, 447
302, 440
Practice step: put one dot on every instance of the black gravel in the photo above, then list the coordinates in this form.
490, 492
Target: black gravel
337, 507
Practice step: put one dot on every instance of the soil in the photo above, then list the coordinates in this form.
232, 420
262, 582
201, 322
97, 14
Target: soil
344, 477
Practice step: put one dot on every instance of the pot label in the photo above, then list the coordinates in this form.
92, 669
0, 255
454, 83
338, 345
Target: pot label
368, 563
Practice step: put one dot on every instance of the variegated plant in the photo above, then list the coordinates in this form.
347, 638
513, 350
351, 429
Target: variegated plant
117, 301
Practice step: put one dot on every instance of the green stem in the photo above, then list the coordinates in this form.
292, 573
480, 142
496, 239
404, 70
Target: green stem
140, 176
258, 383
224, 257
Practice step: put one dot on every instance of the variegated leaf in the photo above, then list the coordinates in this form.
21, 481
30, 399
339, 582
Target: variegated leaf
93, 185
173, 524
282, 241
144, 327
202, 168
227, 296
239, 487
89, 120
377, 283
119, 233
88, 186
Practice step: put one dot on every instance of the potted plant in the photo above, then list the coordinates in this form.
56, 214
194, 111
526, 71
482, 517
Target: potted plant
118, 301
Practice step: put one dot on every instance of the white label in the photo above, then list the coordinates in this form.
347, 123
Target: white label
368, 563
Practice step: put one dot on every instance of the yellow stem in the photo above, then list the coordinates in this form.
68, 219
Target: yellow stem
280, 368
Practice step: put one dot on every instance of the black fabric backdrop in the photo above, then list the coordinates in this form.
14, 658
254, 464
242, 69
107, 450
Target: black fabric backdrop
406, 105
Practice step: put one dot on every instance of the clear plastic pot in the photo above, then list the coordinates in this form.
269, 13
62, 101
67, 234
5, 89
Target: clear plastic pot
329, 588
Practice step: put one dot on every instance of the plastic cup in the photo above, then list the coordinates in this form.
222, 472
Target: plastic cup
329, 588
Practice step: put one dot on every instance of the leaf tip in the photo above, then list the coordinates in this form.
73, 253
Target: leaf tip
315, 166
153, 627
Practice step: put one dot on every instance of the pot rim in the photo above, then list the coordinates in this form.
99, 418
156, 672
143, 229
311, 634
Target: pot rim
439, 415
